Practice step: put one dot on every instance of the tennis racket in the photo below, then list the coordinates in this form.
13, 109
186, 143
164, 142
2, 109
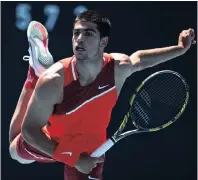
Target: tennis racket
157, 102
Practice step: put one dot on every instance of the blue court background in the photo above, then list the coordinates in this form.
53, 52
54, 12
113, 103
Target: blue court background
170, 154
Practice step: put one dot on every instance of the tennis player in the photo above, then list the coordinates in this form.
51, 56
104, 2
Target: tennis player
65, 107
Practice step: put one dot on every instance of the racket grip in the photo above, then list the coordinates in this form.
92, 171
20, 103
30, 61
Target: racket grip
103, 148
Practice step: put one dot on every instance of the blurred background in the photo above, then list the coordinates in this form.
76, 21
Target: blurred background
170, 154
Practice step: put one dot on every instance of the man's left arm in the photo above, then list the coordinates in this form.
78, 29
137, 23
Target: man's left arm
152, 57
147, 58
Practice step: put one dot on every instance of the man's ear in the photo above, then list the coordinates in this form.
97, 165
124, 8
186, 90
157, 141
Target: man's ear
104, 42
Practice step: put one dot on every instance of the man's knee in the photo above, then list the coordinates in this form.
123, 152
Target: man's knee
14, 155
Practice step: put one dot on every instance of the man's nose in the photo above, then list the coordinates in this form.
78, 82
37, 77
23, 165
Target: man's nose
80, 38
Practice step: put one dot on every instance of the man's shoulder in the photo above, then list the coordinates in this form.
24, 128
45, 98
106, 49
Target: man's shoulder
123, 65
119, 56
67, 59
52, 77
56, 72
49, 86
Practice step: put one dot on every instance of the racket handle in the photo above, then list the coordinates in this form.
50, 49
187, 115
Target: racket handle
103, 148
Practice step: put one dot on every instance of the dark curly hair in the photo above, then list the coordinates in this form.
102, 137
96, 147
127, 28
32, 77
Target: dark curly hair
103, 23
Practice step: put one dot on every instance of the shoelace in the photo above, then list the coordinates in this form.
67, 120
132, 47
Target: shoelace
26, 58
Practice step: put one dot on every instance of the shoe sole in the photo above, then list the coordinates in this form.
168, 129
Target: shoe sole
38, 35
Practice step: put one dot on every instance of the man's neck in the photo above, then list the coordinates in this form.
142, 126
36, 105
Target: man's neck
88, 70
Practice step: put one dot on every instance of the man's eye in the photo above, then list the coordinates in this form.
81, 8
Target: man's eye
88, 34
76, 33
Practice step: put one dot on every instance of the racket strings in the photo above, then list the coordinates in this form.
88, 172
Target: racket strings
144, 95
141, 112
158, 101
168, 91
170, 94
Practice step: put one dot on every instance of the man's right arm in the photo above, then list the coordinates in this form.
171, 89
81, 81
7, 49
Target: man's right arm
47, 93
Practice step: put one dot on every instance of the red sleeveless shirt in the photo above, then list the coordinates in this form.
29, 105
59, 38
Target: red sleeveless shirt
85, 111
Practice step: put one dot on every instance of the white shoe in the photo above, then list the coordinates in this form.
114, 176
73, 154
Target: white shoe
40, 58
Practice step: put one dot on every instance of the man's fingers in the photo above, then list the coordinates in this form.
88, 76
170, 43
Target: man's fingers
191, 30
188, 32
192, 33
100, 159
193, 42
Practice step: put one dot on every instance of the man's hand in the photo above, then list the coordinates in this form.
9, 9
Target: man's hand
86, 163
186, 38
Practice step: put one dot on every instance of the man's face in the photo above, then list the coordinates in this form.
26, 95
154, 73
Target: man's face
86, 40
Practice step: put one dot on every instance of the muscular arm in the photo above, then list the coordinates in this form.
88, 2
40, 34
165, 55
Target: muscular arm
47, 93
147, 58
142, 59
15, 125
151, 57
126, 65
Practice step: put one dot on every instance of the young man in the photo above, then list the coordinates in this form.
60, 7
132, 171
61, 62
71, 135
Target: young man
69, 107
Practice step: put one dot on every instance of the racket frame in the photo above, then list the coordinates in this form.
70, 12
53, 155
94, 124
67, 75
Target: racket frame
118, 135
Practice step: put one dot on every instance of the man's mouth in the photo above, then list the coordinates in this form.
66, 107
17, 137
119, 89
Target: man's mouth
78, 48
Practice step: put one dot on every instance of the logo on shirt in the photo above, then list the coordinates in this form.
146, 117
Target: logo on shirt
102, 87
